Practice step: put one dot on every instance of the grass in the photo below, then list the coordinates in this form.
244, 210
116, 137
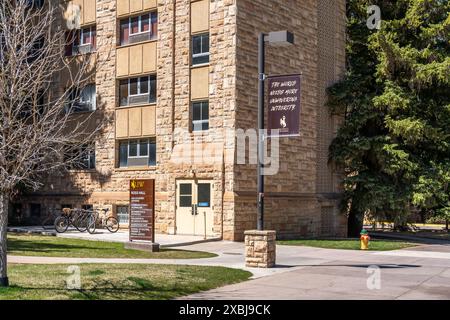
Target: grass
48, 246
349, 244
114, 282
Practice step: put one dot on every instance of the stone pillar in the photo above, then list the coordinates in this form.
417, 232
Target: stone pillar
260, 247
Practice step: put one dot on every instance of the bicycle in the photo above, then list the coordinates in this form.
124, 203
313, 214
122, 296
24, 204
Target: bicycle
49, 219
111, 223
78, 218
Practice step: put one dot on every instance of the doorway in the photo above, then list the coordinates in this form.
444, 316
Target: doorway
194, 209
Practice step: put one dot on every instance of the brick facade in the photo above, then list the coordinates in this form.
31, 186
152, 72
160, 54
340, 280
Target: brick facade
302, 199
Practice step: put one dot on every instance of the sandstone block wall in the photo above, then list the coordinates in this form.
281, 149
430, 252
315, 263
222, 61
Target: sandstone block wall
302, 199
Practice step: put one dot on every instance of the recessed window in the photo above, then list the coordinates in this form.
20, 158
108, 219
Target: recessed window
200, 116
122, 214
135, 91
35, 210
81, 41
87, 207
138, 152
200, 49
138, 29
34, 105
82, 100
35, 4
36, 50
81, 158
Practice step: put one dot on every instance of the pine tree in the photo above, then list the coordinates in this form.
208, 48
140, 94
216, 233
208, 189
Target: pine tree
395, 142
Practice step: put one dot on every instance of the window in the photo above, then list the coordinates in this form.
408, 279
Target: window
35, 4
122, 214
35, 210
200, 116
81, 41
136, 91
33, 106
135, 153
36, 50
81, 158
204, 195
16, 209
200, 49
87, 160
83, 100
138, 29
185, 195
87, 36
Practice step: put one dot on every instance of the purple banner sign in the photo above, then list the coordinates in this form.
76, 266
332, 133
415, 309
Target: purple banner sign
284, 105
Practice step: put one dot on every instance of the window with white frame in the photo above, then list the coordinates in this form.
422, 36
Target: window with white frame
137, 152
81, 41
81, 158
122, 214
136, 91
139, 28
200, 116
200, 49
87, 160
82, 100
87, 36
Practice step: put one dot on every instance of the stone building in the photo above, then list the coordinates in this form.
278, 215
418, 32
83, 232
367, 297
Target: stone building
179, 77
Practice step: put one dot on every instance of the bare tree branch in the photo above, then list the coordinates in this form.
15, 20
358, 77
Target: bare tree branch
37, 122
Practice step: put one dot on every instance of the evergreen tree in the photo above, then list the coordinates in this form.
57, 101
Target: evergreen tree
395, 142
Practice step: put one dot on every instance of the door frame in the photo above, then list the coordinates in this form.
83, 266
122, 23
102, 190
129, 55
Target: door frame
195, 182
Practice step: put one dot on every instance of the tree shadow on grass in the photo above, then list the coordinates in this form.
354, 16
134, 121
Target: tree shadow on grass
18, 245
130, 288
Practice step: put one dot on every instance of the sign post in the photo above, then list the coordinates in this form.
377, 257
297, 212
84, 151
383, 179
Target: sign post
254, 256
142, 215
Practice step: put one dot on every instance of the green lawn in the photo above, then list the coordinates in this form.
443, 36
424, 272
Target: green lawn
116, 282
48, 246
349, 244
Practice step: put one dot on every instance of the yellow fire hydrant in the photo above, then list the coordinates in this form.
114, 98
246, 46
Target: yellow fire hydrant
364, 240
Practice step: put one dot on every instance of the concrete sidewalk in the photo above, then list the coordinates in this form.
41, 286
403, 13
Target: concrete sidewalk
165, 240
320, 274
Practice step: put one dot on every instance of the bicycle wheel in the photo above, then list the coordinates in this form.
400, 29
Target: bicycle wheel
61, 224
80, 222
91, 224
112, 224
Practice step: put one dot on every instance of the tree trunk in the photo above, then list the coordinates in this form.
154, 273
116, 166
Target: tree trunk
355, 223
446, 225
3, 227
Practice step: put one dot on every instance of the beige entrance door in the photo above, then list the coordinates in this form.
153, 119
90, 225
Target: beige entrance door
194, 207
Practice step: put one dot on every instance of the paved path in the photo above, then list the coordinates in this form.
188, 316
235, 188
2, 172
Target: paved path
311, 273
418, 273
230, 254
165, 240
